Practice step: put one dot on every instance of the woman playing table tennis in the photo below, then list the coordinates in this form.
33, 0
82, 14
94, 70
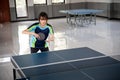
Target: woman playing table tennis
41, 34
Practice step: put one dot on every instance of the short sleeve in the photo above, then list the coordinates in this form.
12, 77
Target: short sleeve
32, 27
51, 29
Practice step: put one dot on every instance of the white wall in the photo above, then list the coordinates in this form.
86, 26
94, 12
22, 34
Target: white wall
104, 1
11, 3
77, 1
30, 2
49, 2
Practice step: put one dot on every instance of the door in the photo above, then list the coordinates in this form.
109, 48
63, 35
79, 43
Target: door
4, 11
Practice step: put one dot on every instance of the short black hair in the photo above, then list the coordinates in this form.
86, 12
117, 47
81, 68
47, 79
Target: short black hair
44, 15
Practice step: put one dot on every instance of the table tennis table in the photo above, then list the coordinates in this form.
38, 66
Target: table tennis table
69, 64
81, 16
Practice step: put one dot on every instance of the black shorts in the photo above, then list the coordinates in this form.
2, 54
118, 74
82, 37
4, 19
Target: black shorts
35, 50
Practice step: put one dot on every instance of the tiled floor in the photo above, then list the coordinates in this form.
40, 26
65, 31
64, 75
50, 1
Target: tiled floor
103, 37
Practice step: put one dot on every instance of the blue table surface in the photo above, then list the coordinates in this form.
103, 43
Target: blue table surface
81, 11
55, 56
106, 72
105, 68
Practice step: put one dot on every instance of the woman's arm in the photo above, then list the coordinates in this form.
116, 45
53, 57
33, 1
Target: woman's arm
50, 38
26, 31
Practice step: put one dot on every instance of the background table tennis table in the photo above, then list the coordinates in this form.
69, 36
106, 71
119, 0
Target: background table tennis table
70, 64
81, 16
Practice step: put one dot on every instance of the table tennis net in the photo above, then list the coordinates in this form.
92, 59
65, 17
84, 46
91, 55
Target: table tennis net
71, 65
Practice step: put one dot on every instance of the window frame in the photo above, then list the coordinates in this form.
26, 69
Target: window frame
40, 4
26, 10
59, 2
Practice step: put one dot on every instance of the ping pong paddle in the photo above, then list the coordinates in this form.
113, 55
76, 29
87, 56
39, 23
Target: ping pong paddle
42, 36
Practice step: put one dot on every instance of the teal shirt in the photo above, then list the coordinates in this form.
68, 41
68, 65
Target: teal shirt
36, 43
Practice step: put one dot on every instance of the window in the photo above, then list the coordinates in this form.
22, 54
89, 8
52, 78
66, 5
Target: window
21, 8
58, 1
40, 1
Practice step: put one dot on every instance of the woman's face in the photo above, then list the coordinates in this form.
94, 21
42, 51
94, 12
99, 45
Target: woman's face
43, 21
